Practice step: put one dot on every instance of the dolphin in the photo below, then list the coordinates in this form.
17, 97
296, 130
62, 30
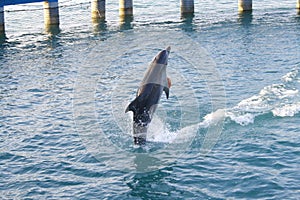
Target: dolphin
155, 81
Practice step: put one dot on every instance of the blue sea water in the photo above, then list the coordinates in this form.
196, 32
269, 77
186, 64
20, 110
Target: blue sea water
230, 129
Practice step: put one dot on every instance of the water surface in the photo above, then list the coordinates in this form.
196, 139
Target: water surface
230, 128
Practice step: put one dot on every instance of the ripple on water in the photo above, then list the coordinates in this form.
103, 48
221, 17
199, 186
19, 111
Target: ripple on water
257, 55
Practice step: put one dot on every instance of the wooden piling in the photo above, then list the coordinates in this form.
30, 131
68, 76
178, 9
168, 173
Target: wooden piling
98, 15
245, 5
125, 8
186, 6
98, 9
298, 4
2, 26
51, 16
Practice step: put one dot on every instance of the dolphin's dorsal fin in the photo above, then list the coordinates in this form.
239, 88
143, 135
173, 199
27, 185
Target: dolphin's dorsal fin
132, 106
166, 89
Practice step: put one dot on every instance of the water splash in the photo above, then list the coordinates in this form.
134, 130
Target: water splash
280, 100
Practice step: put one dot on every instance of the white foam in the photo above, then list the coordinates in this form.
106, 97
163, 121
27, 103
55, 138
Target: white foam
255, 103
213, 118
279, 91
289, 110
280, 99
158, 131
242, 119
291, 76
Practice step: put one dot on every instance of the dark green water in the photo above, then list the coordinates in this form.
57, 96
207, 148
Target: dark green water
230, 129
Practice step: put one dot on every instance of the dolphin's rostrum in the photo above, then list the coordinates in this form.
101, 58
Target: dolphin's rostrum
148, 95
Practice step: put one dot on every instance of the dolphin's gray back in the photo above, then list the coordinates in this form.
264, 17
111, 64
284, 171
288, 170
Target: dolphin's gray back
151, 76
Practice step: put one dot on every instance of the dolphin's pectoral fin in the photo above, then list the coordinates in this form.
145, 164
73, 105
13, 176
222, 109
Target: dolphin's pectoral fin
166, 89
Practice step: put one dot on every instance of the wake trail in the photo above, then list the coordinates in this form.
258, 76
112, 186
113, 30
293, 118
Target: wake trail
280, 99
